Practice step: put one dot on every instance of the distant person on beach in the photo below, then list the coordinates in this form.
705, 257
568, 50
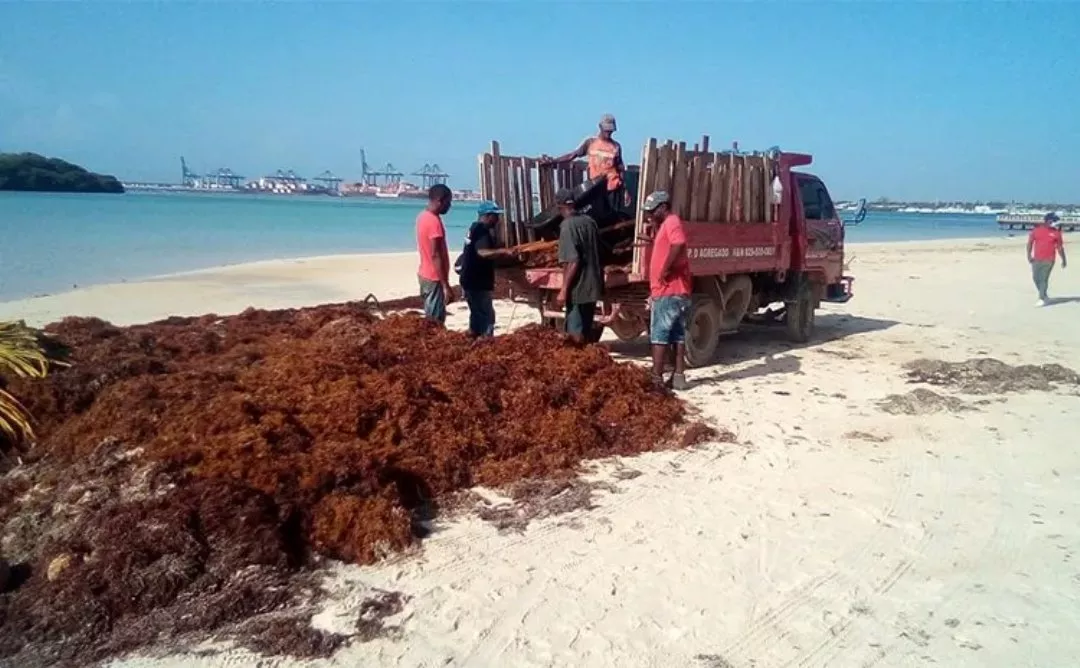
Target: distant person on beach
604, 156
477, 272
1044, 244
670, 285
434, 273
583, 277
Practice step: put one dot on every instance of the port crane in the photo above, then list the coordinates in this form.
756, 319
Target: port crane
332, 183
187, 177
431, 175
288, 177
367, 177
225, 178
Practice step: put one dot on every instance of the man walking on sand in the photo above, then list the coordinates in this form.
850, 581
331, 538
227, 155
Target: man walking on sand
1044, 243
583, 277
670, 285
434, 272
477, 273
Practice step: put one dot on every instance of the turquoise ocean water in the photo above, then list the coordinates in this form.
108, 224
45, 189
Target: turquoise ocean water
51, 243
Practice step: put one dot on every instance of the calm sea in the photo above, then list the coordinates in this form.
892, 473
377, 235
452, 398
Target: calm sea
51, 243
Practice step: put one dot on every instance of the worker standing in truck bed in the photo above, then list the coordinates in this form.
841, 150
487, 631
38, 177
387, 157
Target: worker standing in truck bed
583, 277
604, 156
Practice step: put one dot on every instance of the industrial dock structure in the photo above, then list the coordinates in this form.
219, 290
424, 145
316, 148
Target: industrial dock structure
385, 183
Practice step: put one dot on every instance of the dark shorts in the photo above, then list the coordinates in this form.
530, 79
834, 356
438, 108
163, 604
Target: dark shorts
579, 318
434, 300
667, 324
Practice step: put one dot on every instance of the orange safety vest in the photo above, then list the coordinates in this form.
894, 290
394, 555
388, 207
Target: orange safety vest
601, 155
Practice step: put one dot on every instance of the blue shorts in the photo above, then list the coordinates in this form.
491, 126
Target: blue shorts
434, 300
667, 324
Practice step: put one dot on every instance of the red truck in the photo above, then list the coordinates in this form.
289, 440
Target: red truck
764, 241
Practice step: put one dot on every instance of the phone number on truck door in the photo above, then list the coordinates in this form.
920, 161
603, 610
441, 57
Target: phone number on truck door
723, 252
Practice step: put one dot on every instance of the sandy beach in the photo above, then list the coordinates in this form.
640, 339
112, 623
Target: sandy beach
834, 531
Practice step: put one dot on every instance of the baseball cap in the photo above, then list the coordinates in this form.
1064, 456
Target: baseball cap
1051, 217
487, 206
607, 122
564, 196
655, 199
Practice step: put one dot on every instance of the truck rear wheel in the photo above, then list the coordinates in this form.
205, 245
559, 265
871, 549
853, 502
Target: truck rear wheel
702, 332
799, 318
627, 330
738, 291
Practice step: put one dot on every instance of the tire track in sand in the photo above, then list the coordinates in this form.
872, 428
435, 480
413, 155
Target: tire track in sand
767, 631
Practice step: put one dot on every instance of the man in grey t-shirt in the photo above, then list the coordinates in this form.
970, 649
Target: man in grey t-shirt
583, 277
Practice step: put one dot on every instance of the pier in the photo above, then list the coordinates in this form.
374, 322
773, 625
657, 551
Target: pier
1025, 222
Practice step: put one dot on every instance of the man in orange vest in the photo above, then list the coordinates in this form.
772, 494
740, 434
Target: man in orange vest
604, 156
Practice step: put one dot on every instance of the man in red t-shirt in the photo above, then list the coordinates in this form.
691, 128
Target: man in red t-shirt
434, 273
670, 286
1044, 243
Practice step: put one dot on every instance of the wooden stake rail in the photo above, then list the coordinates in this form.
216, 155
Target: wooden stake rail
705, 186
513, 181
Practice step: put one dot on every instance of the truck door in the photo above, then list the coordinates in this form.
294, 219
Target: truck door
824, 231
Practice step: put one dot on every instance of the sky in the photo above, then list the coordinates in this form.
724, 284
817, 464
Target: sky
907, 100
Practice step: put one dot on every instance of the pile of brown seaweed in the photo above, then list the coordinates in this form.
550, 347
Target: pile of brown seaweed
189, 471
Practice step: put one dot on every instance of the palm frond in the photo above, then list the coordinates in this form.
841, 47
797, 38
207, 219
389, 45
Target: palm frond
22, 355
14, 419
21, 352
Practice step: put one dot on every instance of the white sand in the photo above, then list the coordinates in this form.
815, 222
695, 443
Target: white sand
937, 539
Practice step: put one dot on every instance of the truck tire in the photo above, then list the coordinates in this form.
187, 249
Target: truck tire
799, 318
702, 332
627, 330
737, 291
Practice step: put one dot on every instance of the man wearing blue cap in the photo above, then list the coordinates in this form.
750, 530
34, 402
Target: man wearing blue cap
477, 272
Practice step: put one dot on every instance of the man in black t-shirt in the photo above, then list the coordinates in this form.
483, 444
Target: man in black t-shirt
478, 272
583, 277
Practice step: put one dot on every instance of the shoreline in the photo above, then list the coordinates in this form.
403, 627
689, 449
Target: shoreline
273, 265
307, 281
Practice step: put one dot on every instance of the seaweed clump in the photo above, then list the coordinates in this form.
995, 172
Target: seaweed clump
189, 472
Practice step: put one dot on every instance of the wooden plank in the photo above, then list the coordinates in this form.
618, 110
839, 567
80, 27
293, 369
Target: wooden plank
705, 146
680, 182
496, 190
729, 187
514, 211
770, 213
691, 180
548, 188
701, 190
495, 169
646, 181
773, 207
529, 213
663, 167
747, 180
715, 183
482, 162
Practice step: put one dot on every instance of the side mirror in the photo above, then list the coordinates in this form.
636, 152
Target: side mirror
860, 214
